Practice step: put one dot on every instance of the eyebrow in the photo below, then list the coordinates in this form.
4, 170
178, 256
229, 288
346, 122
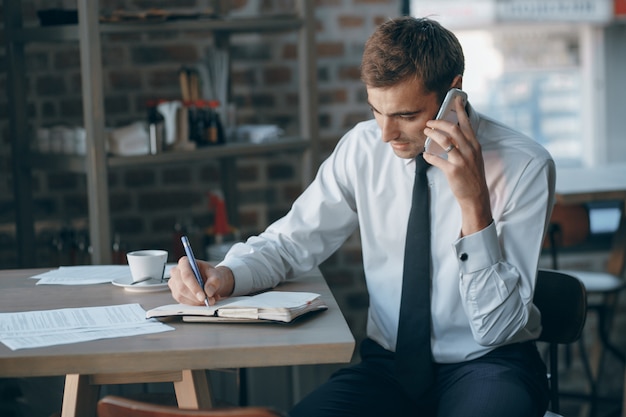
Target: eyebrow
399, 113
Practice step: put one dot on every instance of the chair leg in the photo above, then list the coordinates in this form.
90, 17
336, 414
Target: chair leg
605, 320
568, 356
554, 378
591, 378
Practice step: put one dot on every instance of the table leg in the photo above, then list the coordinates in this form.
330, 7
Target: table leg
80, 397
194, 390
81, 393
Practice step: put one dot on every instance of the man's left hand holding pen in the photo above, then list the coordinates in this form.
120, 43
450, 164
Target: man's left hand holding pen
218, 283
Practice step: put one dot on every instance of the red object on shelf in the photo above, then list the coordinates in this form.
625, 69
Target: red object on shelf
220, 223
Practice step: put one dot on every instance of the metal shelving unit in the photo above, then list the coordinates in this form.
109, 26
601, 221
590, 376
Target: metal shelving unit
96, 163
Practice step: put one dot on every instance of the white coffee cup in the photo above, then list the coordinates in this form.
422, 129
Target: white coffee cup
147, 264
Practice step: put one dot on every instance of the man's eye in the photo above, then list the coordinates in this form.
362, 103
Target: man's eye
407, 117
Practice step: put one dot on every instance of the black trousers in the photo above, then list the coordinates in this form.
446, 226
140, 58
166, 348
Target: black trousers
509, 381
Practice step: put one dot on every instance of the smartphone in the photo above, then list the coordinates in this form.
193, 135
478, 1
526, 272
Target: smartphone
447, 111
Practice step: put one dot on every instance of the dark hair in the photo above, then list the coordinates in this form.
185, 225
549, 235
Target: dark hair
408, 47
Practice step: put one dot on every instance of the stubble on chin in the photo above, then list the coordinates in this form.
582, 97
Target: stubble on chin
410, 151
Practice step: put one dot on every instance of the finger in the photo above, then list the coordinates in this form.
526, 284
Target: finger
215, 284
440, 136
187, 275
435, 160
461, 114
212, 285
188, 287
465, 124
220, 283
177, 283
182, 293
437, 126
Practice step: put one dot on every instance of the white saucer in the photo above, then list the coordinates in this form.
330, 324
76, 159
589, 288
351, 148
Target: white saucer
151, 285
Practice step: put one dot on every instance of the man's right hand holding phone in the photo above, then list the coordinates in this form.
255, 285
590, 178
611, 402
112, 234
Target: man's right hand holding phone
447, 112
463, 168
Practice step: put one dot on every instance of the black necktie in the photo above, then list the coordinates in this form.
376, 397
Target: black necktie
413, 355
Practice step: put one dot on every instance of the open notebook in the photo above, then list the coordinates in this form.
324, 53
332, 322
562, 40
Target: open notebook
281, 306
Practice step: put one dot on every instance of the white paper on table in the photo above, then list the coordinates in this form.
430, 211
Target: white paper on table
69, 325
87, 274
83, 274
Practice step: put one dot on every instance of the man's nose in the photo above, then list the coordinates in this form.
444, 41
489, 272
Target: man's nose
389, 129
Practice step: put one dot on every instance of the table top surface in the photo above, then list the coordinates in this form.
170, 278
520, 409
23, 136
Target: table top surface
607, 182
320, 338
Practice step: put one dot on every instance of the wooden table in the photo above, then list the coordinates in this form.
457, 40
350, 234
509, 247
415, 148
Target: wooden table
179, 356
605, 183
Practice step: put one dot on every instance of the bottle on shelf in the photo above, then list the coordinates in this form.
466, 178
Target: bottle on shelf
214, 128
196, 121
205, 126
221, 236
156, 128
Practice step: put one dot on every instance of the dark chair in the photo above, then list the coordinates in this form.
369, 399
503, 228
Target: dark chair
113, 406
562, 301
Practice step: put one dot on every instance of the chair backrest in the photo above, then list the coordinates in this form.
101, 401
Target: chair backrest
562, 301
113, 406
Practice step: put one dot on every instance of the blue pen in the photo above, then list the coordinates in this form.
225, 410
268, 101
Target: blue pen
194, 265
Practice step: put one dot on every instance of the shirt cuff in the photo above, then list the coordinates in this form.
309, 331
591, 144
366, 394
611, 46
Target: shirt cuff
479, 250
242, 276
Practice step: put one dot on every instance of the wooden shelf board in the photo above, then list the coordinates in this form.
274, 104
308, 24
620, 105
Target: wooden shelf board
76, 163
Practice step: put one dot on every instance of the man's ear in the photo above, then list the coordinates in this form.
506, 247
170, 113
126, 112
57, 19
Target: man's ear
457, 82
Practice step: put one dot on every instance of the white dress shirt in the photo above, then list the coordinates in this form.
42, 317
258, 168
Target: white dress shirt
483, 283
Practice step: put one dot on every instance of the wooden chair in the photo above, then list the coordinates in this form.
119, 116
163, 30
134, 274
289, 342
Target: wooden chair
114, 406
562, 301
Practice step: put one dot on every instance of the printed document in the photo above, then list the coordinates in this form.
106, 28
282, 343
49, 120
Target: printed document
31, 329
87, 274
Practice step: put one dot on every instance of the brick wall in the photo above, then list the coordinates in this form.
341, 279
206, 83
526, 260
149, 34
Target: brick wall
146, 202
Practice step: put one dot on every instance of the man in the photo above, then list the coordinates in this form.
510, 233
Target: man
489, 200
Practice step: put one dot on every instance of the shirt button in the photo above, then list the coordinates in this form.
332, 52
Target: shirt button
463, 257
